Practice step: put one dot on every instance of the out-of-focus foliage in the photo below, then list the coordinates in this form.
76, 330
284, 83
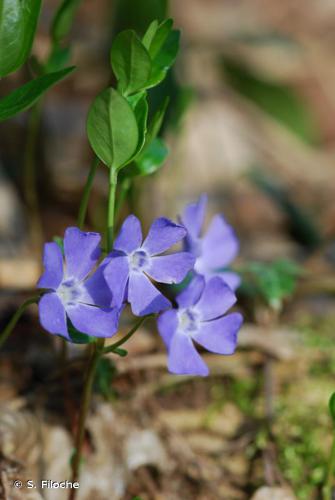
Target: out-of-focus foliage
278, 100
273, 282
18, 22
24, 97
63, 19
138, 14
301, 225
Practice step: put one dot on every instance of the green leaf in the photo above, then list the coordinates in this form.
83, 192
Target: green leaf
155, 42
150, 34
112, 128
79, 337
18, 22
131, 62
331, 405
150, 159
139, 105
24, 97
163, 51
276, 99
58, 58
63, 19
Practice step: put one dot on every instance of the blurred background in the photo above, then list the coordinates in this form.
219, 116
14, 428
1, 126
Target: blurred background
250, 122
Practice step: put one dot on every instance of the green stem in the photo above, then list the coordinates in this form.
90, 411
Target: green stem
30, 176
131, 332
124, 189
85, 403
98, 350
15, 318
87, 191
328, 488
111, 208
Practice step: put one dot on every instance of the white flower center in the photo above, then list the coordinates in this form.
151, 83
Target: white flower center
188, 320
139, 260
70, 291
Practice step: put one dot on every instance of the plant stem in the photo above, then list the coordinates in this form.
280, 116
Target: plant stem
30, 176
131, 332
85, 403
97, 353
328, 488
87, 191
124, 190
111, 208
15, 318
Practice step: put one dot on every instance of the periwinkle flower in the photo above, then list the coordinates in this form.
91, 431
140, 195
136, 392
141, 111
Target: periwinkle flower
216, 249
133, 262
199, 318
72, 293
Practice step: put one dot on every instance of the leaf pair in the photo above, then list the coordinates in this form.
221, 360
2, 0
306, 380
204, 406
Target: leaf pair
142, 64
117, 121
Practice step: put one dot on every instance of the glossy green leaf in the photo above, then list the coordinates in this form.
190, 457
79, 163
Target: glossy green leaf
63, 19
163, 51
150, 160
156, 41
150, 34
18, 22
278, 100
131, 62
112, 128
24, 97
331, 405
140, 107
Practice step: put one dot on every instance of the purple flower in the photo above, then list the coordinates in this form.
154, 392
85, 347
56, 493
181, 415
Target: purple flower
133, 262
86, 301
200, 318
216, 249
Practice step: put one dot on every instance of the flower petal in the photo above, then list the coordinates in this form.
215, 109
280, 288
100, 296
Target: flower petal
167, 324
162, 234
191, 294
232, 279
144, 297
219, 246
116, 274
93, 320
171, 268
98, 292
184, 359
193, 216
53, 267
52, 314
81, 252
220, 335
216, 299
130, 235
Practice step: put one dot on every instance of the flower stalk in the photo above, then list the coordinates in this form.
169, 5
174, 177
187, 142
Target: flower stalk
98, 349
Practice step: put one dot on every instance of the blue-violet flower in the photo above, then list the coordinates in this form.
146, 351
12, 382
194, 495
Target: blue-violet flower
200, 318
216, 249
132, 263
85, 300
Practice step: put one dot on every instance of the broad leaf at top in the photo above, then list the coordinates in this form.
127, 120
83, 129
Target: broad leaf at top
131, 62
112, 128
